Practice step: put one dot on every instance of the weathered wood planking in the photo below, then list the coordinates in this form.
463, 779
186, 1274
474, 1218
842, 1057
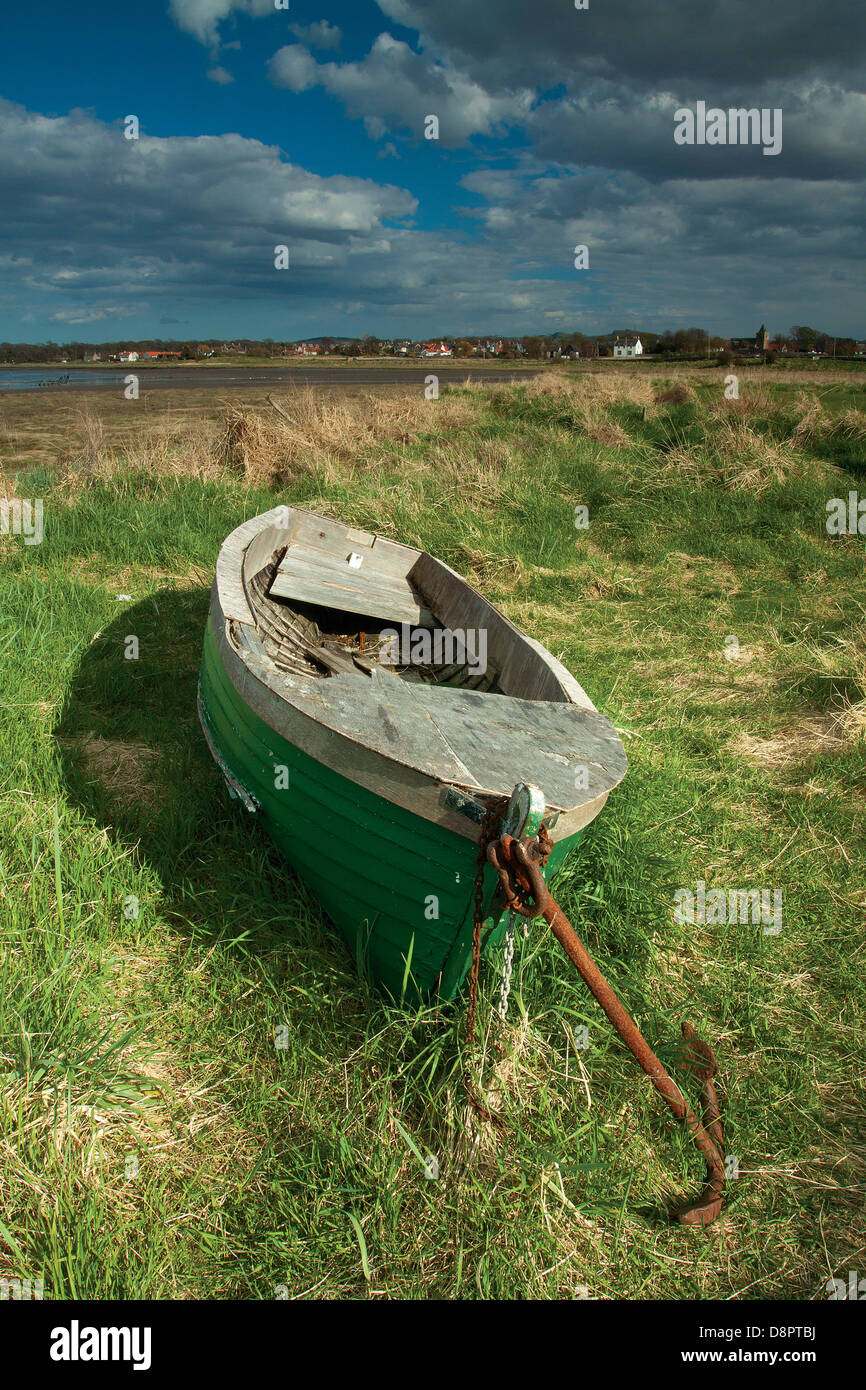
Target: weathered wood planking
335, 538
317, 576
526, 669
261, 688
470, 739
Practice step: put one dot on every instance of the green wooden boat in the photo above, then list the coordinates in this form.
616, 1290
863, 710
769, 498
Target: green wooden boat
365, 704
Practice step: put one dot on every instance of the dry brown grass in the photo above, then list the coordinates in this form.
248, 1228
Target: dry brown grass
734, 456
127, 771
845, 659
814, 423
679, 394
469, 468
593, 389
799, 742
585, 402
201, 433
315, 432
486, 571
839, 661
812, 420
757, 401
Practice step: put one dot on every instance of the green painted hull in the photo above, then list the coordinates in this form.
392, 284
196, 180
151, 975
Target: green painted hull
398, 888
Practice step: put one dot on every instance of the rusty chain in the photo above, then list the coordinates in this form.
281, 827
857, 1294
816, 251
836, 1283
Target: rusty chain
489, 826
519, 865
507, 969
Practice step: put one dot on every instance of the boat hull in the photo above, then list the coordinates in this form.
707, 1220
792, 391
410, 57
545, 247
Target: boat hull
398, 887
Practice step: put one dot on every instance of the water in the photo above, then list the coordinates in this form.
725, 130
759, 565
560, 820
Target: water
32, 379
239, 377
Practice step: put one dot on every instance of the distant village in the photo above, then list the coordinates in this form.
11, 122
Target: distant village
686, 344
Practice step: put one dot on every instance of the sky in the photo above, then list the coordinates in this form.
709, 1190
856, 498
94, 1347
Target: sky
270, 123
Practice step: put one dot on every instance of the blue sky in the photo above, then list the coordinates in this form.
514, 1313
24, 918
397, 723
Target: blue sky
262, 126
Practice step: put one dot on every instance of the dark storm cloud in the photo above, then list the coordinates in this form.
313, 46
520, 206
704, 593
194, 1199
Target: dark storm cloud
601, 87
646, 42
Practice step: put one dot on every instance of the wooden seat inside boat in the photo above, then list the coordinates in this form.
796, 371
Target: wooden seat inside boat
349, 570
323, 596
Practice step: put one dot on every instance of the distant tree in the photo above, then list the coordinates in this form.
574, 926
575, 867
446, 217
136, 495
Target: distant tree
664, 343
690, 342
533, 347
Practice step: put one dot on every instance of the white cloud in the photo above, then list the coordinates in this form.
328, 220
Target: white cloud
294, 67
395, 88
95, 226
94, 314
104, 219
202, 18
318, 35
220, 75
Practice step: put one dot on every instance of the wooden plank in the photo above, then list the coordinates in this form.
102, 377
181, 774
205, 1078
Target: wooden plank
332, 593
318, 578
275, 698
376, 567
336, 538
377, 712
527, 670
469, 738
502, 740
390, 597
305, 557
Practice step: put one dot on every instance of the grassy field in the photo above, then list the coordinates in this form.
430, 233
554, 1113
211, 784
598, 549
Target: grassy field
154, 1142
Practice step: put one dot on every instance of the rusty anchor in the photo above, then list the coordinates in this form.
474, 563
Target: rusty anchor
519, 864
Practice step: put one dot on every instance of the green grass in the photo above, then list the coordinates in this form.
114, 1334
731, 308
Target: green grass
156, 1143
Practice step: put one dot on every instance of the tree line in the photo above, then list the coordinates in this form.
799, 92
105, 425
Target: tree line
681, 342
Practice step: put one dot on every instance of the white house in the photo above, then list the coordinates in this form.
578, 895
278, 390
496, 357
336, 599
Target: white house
629, 346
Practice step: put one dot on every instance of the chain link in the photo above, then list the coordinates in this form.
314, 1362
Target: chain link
489, 825
507, 965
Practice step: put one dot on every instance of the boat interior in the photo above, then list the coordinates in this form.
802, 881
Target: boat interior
330, 600
312, 639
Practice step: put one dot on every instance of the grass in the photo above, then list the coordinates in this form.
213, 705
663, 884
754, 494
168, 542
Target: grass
154, 950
